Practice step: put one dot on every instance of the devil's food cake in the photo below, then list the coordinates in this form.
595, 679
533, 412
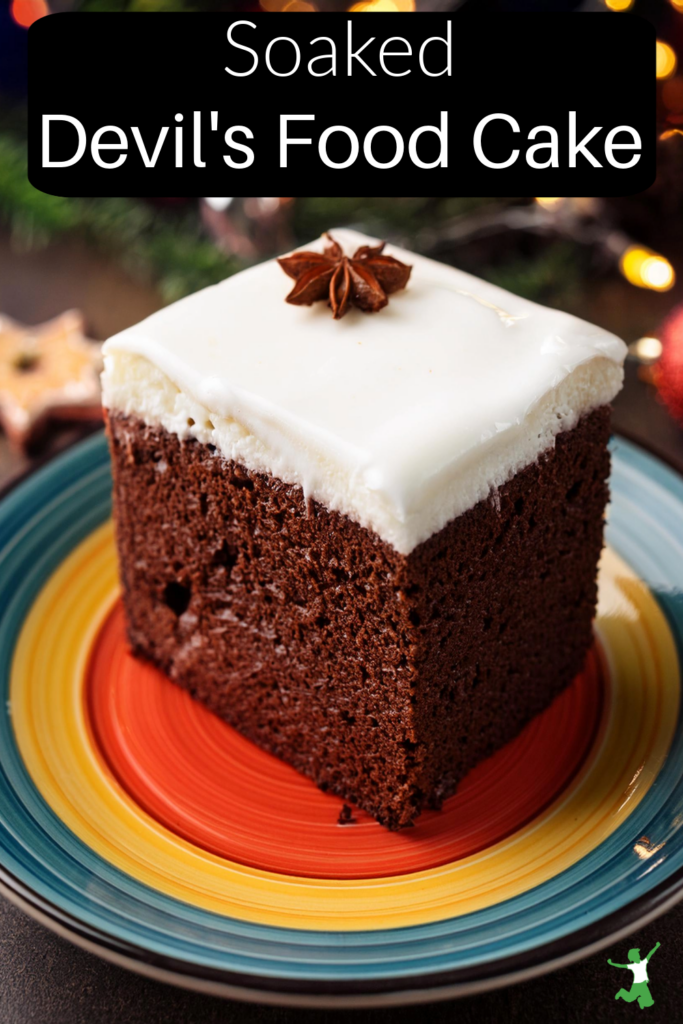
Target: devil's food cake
369, 542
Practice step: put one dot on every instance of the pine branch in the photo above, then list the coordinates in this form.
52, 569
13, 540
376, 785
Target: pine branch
170, 252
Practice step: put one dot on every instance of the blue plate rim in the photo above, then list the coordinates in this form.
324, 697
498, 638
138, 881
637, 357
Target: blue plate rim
426, 988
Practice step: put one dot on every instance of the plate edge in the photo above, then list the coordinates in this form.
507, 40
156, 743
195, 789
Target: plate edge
433, 987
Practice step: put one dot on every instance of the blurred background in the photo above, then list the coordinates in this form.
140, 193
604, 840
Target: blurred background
615, 261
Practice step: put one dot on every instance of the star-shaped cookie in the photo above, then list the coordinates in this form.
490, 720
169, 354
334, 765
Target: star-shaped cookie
46, 372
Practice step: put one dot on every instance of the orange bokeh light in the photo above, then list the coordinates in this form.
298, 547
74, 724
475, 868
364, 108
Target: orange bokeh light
379, 6
25, 12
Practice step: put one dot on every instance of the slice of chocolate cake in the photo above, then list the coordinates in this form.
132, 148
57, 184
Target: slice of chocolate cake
369, 543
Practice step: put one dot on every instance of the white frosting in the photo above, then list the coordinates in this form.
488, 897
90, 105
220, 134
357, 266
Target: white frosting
401, 419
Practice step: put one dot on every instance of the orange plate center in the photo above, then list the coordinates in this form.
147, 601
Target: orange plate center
203, 781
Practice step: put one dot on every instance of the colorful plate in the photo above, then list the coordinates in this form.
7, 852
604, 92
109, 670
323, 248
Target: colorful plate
143, 828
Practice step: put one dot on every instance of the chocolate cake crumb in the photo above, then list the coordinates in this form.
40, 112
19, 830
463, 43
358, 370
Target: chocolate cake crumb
346, 816
383, 677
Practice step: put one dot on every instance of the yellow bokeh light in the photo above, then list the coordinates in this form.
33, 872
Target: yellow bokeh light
549, 203
619, 5
670, 133
658, 273
379, 6
647, 269
677, 5
647, 350
666, 60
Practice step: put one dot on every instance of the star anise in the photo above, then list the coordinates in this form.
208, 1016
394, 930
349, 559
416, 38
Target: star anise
363, 280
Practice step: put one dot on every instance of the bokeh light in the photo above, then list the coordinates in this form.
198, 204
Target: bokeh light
666, 60
219, 203
25, 12
668, 373
677, 5
549, 203
619, 5
379, 6
670, 133
647, 269
646, 350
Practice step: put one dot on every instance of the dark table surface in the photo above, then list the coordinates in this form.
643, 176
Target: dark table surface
44, 979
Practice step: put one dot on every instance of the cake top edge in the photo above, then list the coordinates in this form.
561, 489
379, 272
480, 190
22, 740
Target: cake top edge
254, 297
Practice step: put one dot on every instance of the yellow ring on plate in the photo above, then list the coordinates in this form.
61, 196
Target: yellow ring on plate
54, 739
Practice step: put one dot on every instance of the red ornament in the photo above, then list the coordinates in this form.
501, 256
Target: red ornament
668, 373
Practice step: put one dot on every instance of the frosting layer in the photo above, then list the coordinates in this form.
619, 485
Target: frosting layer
402, 419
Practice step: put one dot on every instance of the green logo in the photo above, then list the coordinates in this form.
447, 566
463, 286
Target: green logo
639, 991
